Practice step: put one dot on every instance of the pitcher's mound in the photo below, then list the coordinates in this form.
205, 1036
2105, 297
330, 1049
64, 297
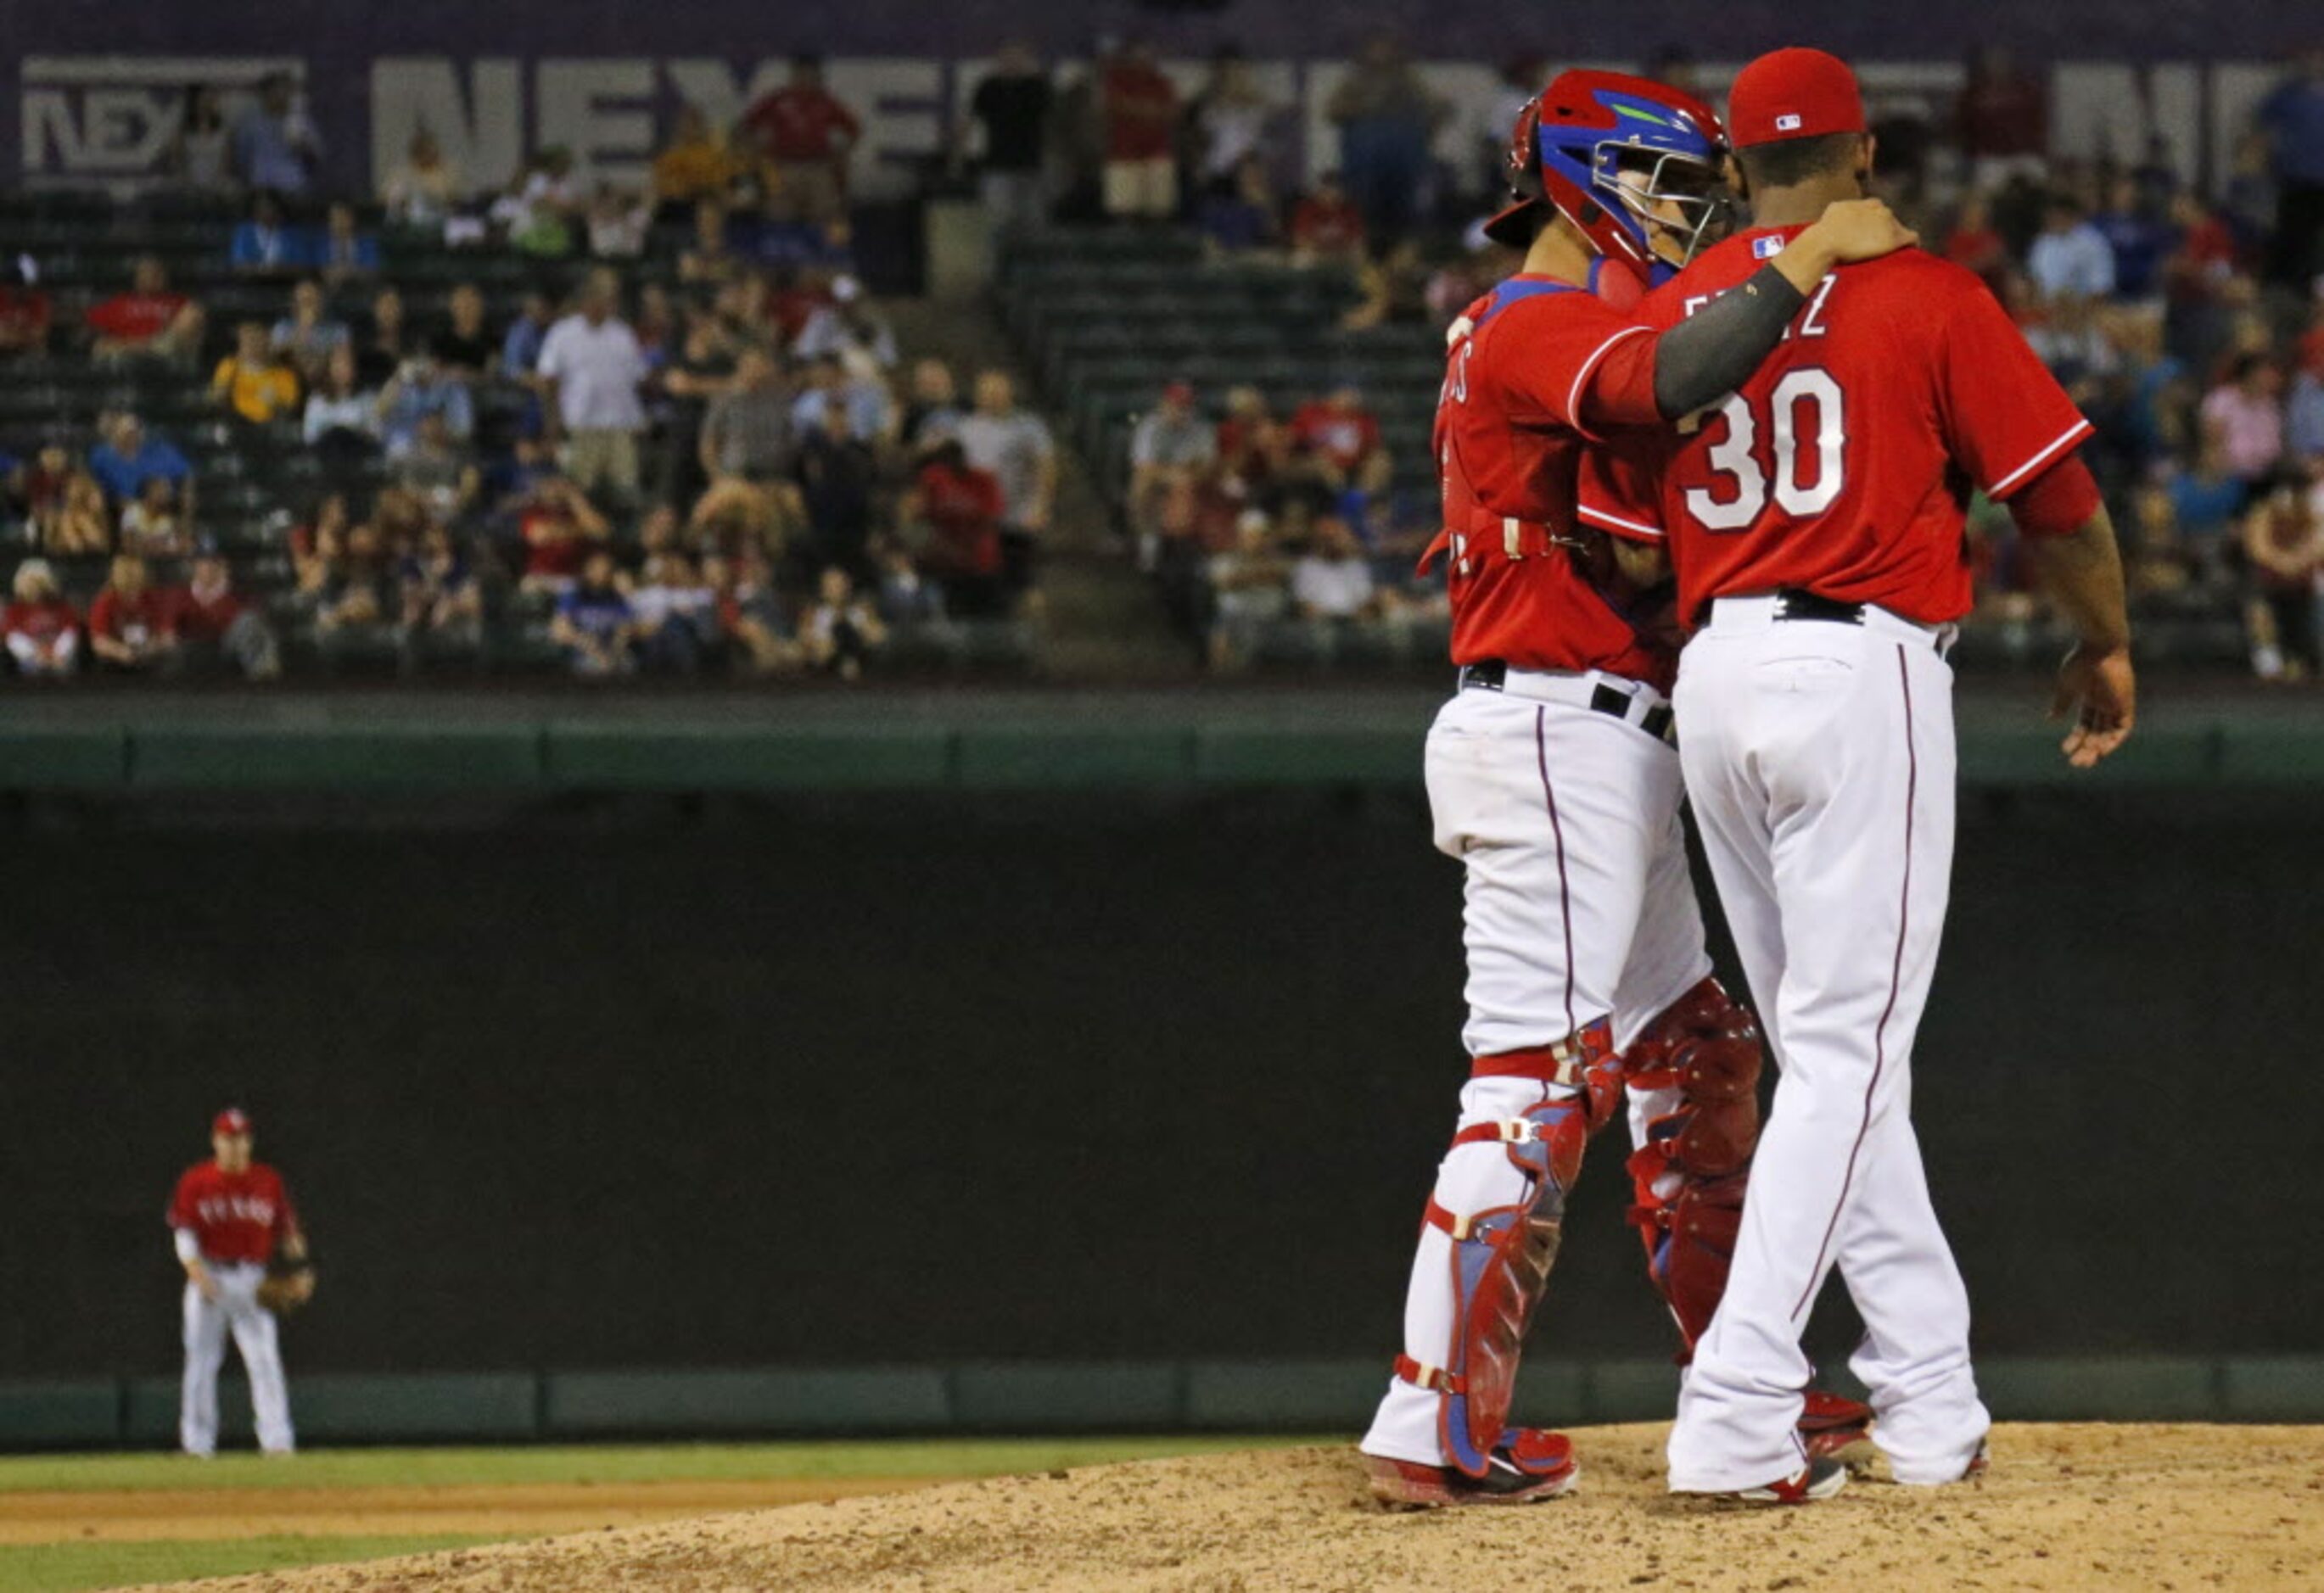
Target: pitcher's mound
2114, 1508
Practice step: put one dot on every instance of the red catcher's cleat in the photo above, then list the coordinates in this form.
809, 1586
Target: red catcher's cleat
1527, 1465
1830, 1424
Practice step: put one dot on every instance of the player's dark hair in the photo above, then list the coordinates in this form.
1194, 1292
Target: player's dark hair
1794, 160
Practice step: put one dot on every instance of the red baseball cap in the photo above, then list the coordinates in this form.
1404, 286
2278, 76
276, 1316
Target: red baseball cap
1793, 94
1181, 391
233, 1120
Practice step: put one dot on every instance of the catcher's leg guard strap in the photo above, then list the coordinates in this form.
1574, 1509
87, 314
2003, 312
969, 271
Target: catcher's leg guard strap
1689, 1175
1501, 1254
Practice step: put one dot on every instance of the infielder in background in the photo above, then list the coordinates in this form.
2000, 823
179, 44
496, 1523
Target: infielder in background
1551, 773
1816, 521
230, 1215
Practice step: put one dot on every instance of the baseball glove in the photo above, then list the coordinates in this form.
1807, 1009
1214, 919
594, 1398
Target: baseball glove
1641, 592
285, 1290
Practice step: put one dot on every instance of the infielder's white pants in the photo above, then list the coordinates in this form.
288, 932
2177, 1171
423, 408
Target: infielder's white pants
207, 1323
1820, 760
1578, 906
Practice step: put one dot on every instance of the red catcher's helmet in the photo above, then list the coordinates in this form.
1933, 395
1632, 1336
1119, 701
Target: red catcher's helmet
1575, 139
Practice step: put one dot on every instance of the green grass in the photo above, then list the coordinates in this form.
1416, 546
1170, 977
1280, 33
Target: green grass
71, 1567
440, 1468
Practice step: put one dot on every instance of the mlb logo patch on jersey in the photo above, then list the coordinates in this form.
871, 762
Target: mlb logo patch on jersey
1787, 123
1767, 248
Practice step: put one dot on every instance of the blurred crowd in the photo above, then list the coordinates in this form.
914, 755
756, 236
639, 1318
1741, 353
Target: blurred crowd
1257, 520
714, 453
2189, 325
710, 454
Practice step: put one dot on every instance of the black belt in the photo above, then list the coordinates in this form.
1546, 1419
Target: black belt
1493, 674
1797, 602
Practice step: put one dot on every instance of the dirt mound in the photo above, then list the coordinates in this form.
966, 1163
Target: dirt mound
2111, 1507
177, 1515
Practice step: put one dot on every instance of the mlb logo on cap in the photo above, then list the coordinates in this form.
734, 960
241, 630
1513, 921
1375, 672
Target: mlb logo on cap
233, 1120
1793, 94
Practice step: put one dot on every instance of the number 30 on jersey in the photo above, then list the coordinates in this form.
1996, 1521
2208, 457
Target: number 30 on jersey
1807, 411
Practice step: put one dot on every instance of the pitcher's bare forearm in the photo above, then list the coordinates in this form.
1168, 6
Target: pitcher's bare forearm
2082, 573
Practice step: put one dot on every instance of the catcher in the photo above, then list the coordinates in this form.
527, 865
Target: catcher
1553, 778
245, 1258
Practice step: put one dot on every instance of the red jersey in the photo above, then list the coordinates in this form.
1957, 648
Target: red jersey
1141, 112
553, 544
962, 508
42, 623
799, 124
233, 1216
1509, 442
1845, 464
1347, 438
791, 308
23, 317
1327, 227
205, 616
136, 620
136, 318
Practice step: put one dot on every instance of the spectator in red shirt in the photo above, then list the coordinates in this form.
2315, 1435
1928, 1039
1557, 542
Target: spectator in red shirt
2002, 120
1974, 244
960, 506
1344, 438
805, 136
2203, 288
147, 320
1326, 228
131, 626
24, 317
43, 629
217, 628
560, 528
1251, 440
1138, 108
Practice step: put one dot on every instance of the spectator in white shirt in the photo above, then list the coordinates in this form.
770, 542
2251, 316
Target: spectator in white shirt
850, 328
2071, 259
617, 223
593, 367
1248, 583
425, 189
1172, 445
1333, 580
1014, 445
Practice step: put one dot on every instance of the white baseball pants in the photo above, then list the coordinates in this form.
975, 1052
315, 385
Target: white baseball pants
1578, 906
207, 1323
1819, 759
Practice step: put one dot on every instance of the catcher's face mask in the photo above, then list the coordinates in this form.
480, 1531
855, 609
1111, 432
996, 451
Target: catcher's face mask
1683, 203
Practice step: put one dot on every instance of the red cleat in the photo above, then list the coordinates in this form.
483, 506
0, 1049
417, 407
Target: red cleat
1526, 1466
1818, 1479
1831, 1425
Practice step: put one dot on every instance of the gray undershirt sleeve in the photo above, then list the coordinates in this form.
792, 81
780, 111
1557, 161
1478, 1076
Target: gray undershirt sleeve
1707, 356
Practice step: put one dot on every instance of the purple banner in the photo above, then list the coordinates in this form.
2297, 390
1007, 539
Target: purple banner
93, 91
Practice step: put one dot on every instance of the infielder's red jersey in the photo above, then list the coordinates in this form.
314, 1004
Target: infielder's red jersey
233, 1216
1509, 442
1844, 465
